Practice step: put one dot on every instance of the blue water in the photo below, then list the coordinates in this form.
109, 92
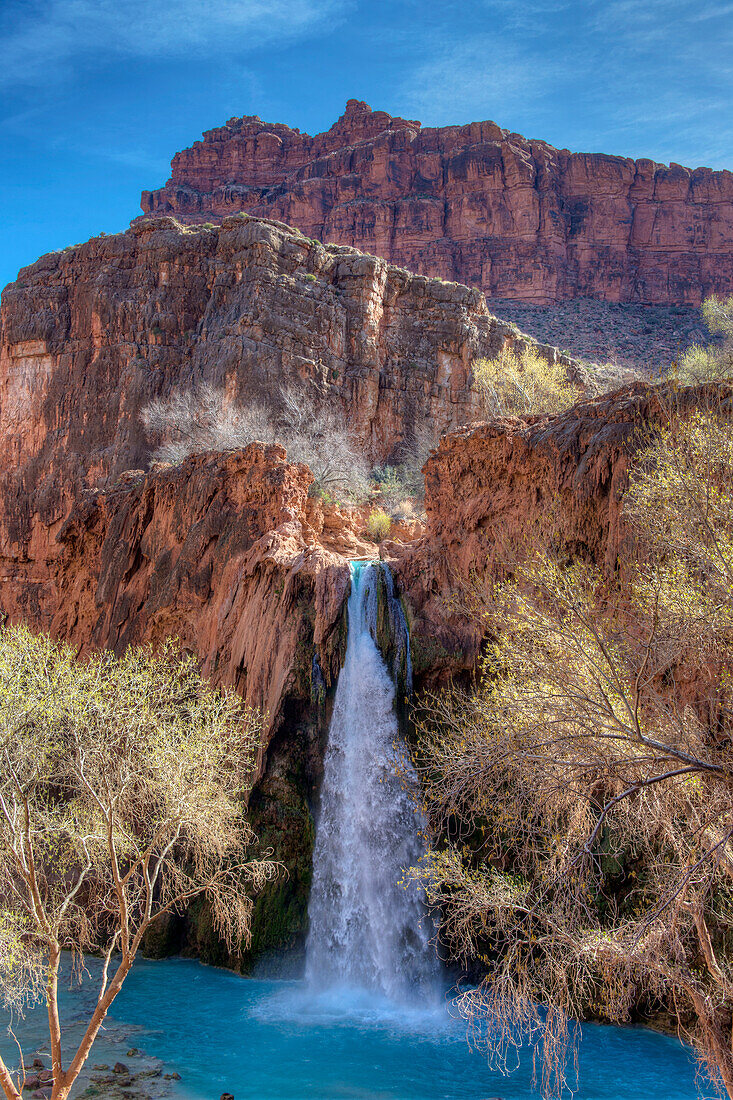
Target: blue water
268, 1040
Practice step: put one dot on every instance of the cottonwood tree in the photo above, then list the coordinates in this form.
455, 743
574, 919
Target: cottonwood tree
121, 786
581, 796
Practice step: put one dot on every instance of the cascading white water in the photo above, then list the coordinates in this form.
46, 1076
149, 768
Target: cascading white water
366, 928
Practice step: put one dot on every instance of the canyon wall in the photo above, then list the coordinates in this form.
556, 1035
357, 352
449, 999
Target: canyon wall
477, 204
90, 335
230, 552
490, 486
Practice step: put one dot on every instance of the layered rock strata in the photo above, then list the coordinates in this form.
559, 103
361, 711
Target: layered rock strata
475, 203
89, 336
230, 552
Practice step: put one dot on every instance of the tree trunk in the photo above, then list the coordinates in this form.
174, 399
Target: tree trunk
6, 1081
52, 1004
62, 1085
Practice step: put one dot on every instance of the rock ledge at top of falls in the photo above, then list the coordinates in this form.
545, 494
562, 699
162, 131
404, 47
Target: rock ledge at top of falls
89, 336
226, 552
517, 218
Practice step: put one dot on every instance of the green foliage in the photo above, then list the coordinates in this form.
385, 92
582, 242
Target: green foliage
429, 654
713, 363
121, 799
680, 499
519, 382
579, 795
718, 314
387, 479
285, 827
310, 277
401, 485
378, 525
317, 491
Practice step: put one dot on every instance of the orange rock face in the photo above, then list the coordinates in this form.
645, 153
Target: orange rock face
88, 337
476, 204
492, 485
218, 552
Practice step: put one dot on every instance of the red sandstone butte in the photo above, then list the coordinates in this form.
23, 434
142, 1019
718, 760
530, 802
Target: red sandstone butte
475, 204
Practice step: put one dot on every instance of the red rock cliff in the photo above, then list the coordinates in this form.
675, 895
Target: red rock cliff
222, 552
90, 335
475, 203
493, 484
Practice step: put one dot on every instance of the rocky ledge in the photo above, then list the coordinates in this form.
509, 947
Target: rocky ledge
90, 335
492, 485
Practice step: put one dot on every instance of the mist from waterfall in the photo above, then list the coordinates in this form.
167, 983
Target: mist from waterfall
367, 929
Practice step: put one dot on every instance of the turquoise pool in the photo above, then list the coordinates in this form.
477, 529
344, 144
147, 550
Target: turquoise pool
274, 1040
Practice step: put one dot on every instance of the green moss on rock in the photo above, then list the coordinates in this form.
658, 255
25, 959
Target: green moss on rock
282, 819
428, 655
386, 639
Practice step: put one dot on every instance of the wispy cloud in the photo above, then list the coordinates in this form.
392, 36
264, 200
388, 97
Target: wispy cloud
489, 77
629, 76
50, 38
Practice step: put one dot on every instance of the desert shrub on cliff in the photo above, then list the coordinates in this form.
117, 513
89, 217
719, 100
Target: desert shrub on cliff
401, 485
581, 795
319, 436
378, 525
713, 363
203, 419
121, 783
521, 381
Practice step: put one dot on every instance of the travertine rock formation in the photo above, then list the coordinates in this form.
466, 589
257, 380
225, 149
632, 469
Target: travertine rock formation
517, 218
219, 552
490, 486
89, 336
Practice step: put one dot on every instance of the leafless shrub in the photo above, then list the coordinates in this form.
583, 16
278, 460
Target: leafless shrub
201, 419
404, 511
611, 375
320, 437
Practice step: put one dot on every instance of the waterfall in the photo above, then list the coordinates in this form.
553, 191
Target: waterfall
366, 928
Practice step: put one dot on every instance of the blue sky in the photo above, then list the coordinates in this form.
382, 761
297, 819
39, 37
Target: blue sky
97, 95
